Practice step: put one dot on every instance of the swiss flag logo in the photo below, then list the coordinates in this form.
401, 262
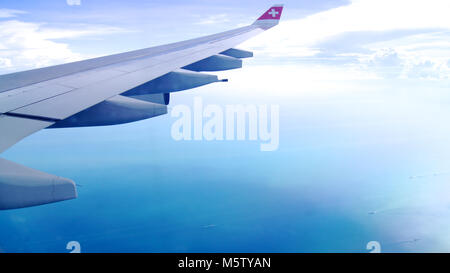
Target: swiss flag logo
274, 13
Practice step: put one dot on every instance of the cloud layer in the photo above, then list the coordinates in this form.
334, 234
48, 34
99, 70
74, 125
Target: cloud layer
27, 45
8, 13
389, 39
396, 38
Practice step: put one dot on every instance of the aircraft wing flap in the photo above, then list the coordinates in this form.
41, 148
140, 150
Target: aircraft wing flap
11, 100
18, 128
63, 106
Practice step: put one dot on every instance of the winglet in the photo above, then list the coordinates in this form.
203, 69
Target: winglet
270, 18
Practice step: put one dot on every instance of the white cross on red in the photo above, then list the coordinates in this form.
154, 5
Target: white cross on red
273, 12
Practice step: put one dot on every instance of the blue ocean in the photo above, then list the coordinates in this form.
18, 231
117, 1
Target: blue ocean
351, 168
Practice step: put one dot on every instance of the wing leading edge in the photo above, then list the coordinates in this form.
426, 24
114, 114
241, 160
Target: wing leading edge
133, 85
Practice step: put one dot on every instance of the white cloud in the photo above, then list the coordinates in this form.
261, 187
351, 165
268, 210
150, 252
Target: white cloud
73, 2
215, 19
5, 62
256, 82
8, 13
77, 31
25, 45
361, 15
306, 37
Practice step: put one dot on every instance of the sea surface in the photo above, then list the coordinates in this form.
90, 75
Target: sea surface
353, 166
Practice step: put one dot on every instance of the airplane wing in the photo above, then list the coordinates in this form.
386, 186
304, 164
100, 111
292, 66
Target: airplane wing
108, 90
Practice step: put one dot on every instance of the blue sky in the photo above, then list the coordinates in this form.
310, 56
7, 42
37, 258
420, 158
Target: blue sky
363, 92
96, 28
400, 39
